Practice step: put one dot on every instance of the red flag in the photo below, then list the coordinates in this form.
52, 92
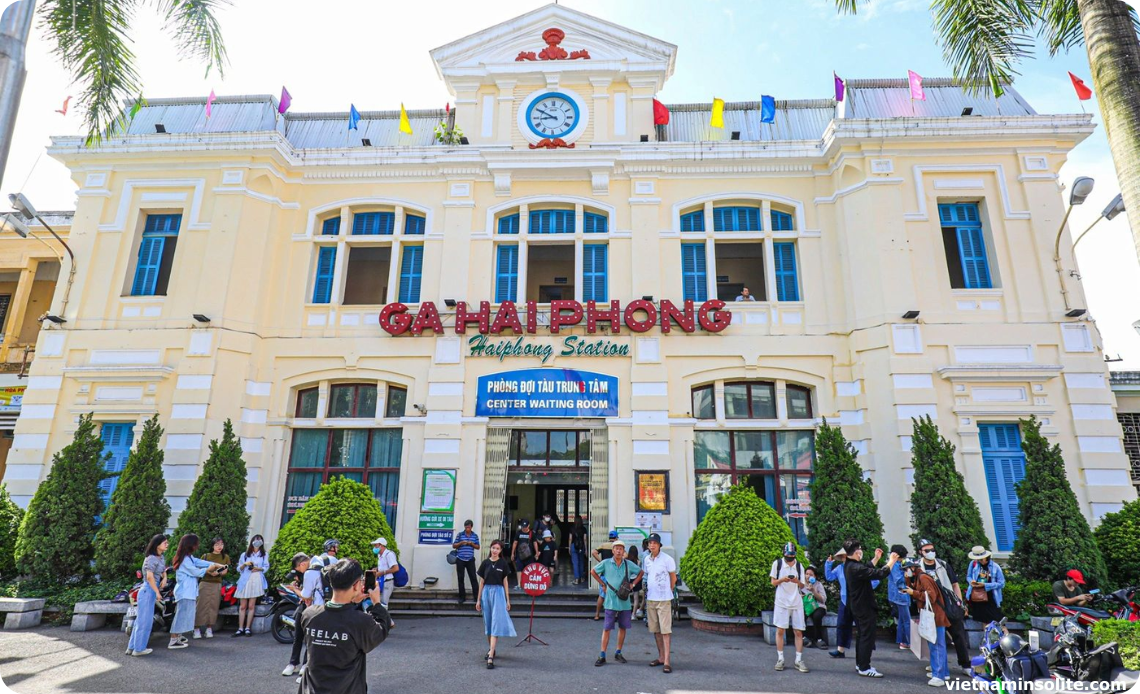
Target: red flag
660, 113
1083, 92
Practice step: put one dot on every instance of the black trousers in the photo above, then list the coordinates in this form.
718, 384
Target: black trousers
865, 639
815, 629
298, 637
468, 566
957, 632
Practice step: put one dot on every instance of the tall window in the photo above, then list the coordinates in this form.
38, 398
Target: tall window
1004, 462
704, 406
323, 282
411, 273
594, 267
693, 279
117, 439
507, 273
787, 283
965, 244
156, 255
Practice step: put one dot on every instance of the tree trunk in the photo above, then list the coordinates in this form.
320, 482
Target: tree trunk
1114, 59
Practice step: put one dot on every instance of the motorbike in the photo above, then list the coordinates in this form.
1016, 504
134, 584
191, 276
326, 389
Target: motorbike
163, 611
1120, 604
1075, 657
1005, 658
281, 623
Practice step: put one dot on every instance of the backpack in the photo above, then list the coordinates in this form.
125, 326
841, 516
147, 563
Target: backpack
400, 578
1027, 667
524, 550
955, 610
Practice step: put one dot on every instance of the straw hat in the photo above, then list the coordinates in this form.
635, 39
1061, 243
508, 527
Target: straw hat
979, 552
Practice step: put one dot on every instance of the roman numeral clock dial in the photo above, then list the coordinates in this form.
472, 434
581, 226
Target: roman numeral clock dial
552, 116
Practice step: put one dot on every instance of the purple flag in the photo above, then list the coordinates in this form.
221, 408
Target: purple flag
915, 79
210, 103
286, 100
840, 87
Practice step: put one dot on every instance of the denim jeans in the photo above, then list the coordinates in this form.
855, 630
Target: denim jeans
144, 619
577, 559
843, 630
938, 666
902, 631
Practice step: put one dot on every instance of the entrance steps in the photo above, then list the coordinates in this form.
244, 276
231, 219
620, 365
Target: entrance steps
568, 602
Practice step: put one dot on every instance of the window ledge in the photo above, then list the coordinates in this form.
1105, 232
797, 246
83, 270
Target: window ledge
151, 299
978, 292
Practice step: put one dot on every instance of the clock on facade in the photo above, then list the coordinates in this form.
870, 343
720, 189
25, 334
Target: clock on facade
551, 115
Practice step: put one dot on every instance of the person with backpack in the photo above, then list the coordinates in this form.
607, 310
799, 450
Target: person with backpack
313, 586
386, 567
986, 581
525, 548
860, 579
947, 580
578, 550
787, 577
900, 600
925, 591
617, 575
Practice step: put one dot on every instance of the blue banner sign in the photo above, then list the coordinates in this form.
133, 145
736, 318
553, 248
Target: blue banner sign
547, 393
435, 537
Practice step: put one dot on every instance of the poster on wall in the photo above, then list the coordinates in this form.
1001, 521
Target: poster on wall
547, 393
438, 492
652, 491
11, 397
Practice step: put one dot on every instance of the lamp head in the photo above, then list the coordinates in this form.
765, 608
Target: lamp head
17, 225
22, 205
1114, 208
1082, 188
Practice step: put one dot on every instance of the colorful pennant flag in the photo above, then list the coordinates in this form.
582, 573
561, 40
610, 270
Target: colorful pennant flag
286, 101
660, 113
68, 100
210, 102
353, 117
1083, 92
717, 120
915, 79
136, 107
405, 124
998, 90
767, 109
840, 87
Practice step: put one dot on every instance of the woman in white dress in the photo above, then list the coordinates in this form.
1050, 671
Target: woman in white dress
251, 584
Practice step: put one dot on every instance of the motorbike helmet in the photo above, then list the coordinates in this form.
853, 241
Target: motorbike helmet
1011, 645
331, 544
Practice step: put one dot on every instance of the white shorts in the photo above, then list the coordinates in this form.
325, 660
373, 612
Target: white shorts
784, 615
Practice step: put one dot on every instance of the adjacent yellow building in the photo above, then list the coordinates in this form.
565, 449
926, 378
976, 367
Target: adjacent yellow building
530, 318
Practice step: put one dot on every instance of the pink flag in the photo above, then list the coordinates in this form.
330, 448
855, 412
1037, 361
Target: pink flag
286, 100
916, 93
210, 102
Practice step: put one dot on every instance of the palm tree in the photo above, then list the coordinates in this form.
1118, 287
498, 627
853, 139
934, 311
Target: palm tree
91, 40
983, 40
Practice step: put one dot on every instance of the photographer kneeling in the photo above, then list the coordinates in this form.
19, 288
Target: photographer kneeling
339, 636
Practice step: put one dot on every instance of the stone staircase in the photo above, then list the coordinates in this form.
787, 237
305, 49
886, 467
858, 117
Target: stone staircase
567, 602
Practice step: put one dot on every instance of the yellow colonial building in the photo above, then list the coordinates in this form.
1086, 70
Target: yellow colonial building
547, 311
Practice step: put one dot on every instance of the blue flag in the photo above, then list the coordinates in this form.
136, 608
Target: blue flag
353, 117
767, 109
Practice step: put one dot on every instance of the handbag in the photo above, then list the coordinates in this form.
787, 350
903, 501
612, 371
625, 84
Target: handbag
453, 557
624, 589
927, 629
979, 594
810, 604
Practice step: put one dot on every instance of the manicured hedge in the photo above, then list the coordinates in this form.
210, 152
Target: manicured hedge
1021, 599
1125, 634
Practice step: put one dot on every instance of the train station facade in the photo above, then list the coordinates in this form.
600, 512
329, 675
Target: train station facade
550, 314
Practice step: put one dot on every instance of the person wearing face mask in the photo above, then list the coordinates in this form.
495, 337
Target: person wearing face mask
252, 566
815, 608
900, 600
946, 577
922, 588
861, 600
833, 571
788, 578
386, 565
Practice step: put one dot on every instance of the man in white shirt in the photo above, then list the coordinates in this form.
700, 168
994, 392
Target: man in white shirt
788, 578
660, 580
386, 566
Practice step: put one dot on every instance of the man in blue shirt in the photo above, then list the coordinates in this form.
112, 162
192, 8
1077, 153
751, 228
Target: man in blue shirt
465, 545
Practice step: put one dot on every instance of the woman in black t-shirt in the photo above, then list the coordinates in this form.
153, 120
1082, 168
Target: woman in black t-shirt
494, 599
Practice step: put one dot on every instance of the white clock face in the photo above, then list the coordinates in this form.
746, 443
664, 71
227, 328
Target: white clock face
552, 115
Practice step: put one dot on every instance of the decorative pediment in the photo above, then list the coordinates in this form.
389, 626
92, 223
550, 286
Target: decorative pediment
553, 38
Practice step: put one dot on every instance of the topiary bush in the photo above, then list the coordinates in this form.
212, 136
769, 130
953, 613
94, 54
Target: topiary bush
138, 511
342, 509
1021, 599
842, 503
941, 510
1118, 537
216, 507
1054, 535
729, 559
57, 535
10, 517
1126, 635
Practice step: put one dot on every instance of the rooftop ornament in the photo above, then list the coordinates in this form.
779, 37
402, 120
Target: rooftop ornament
553, 51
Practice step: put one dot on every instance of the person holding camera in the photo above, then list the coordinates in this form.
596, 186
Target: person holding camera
251, 585
339, 635
617, 576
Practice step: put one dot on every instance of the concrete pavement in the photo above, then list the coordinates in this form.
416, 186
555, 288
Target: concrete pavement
443, 655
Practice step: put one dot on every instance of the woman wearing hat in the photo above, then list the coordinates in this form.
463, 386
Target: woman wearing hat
899, 599
986, 581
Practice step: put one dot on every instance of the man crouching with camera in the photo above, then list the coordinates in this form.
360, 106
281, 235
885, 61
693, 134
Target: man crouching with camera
339, 636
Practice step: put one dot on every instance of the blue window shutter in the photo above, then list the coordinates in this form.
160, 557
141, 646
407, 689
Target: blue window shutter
782, 221
507, 274
414, 224
117, 438
960, 213
509, 224
736, 219
693, 221
326, 264
975, 265
787, 284
373, 223
693, 279
594, 267
594, 223
552, 222
411, 267
331, 227
163, 224
146, 269
1004, 464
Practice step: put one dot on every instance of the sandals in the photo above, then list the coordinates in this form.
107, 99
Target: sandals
655, 663
490, 662
668, 668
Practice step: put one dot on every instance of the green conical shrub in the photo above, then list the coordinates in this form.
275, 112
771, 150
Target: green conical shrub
56, 542
1054, 534
10, 517
324, 517
1118, 537
941, 510
216, 507
842, 503
138, 511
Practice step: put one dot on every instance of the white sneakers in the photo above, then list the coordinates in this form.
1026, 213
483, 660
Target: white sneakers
289, 670
937, 682
144, 652
869, 672
197, 634
209, 632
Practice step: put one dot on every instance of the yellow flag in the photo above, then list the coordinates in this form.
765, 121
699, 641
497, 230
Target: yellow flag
405, 125
717, 120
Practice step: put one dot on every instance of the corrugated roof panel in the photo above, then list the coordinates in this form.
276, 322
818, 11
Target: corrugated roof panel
328, 130
945, 98
228, 114
795, 120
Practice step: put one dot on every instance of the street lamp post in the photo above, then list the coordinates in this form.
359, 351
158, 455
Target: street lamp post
23, 206
1082, 188
1114, 208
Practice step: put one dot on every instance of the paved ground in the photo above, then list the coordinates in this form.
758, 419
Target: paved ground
442, 655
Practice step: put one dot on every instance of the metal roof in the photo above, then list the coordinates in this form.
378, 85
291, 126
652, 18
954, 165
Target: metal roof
795, 120
323, 130
945, 98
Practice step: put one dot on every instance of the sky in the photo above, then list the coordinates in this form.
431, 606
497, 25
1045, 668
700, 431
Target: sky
375, 55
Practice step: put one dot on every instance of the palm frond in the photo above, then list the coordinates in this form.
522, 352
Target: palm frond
983, 40
196, 29
1059, 24
91, 42
848, 6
